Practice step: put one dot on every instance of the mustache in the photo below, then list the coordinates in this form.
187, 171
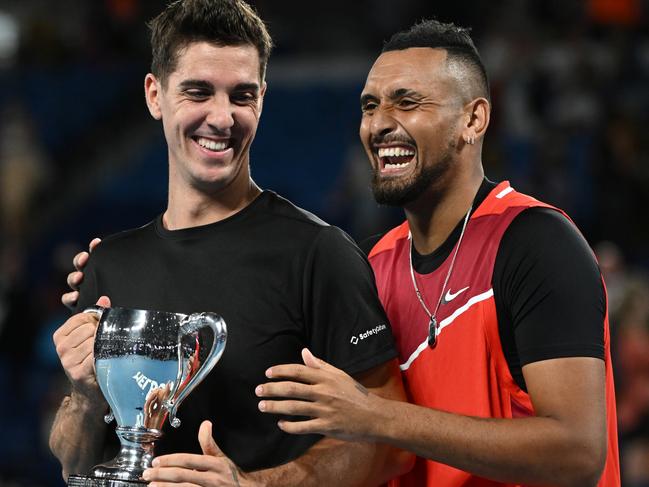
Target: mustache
391, 139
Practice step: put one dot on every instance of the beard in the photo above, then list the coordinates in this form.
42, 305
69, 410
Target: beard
401, 191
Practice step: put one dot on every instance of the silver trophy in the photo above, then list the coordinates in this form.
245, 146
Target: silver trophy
147, 362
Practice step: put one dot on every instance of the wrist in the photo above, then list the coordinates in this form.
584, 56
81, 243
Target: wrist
94, 403
382, 418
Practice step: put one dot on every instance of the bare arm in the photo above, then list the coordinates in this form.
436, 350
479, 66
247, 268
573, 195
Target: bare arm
77, 433
328, 462
564, 444
336, 462
342, 463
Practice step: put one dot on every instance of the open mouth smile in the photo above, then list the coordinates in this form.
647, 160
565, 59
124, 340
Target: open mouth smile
211, 145
395, 159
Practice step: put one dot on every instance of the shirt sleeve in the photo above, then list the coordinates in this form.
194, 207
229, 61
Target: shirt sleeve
549, 293
346, 323
366, 245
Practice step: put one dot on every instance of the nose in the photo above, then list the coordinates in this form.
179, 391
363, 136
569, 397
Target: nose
220, 113
381, 123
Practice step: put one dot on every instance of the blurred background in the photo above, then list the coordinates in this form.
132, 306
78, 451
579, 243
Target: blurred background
80, 157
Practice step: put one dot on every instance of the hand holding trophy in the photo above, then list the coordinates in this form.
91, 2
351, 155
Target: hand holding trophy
147, 363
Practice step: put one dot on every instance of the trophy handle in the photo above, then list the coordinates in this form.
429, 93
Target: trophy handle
189, 325
98, 311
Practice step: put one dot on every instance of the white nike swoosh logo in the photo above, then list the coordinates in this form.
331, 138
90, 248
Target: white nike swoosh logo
446, 322
451, 296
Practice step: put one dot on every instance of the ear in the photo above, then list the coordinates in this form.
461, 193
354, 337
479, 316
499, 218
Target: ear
478, 112
152, 93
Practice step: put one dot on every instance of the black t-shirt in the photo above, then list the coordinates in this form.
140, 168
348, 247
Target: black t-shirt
281, 279
548, 291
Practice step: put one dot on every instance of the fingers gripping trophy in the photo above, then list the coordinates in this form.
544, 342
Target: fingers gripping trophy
147, 363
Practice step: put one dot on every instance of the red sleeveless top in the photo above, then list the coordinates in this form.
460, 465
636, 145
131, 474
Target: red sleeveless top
466, 373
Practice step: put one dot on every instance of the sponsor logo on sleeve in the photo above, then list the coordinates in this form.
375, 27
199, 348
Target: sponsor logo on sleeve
368, 333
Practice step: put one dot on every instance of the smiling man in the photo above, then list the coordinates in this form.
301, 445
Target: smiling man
497, 303
281, 278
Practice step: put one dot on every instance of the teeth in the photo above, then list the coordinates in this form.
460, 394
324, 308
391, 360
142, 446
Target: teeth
211, 144
395, 151
395, 166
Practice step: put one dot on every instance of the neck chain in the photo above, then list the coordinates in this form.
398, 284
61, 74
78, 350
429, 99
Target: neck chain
433, 327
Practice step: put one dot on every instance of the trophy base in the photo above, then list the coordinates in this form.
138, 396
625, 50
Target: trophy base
85, 481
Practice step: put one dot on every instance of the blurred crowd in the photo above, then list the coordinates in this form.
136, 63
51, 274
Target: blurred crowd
79, 157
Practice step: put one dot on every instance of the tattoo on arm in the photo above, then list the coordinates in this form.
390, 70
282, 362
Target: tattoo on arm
235, 476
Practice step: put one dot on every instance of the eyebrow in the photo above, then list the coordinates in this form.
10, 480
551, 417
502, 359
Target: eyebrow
395, 95
401, 92
247, 87
199, 83
195, 83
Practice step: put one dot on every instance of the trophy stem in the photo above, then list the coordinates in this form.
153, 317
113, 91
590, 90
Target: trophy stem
137, 445
134, 457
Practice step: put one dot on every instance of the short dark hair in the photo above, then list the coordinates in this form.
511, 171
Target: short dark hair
220, 22
439, 35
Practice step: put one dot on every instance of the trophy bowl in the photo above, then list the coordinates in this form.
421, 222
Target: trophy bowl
147, 362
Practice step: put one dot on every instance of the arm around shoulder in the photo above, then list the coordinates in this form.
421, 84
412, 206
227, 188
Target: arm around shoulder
564, 444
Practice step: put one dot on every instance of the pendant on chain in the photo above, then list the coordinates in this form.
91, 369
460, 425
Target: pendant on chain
432, 332
433, 328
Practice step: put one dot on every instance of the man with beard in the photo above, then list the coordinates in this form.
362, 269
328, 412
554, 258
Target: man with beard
495, 299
